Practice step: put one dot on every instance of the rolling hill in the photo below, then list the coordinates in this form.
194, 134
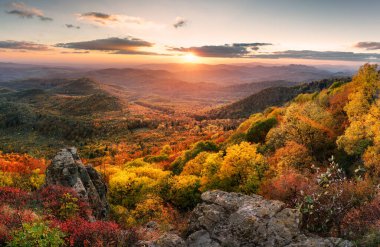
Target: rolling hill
274, 96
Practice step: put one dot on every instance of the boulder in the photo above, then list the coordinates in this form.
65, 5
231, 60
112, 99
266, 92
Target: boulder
237, 220
66, 169
234, 219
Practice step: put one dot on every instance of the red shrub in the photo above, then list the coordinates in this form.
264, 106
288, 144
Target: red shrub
84, 233
15, 197
12, 219
362, 219
287, 187
54, 201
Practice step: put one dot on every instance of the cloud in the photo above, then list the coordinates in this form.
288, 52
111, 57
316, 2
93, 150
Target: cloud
72, 26
114, 20
98, 17
24, 11
227, 50
320, 55
129, 45
368, 45
75, 52
23, 45
179, 22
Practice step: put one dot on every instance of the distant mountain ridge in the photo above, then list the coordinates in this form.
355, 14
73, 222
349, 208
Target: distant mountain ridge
274, 96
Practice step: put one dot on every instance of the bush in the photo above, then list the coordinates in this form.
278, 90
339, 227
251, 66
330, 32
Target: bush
62, 202
184, 192
242, 169
259, 130
288, 187
14, 197
362, 220
179, 163
11, 219
130, 186
80, 232
333, 198
37, 234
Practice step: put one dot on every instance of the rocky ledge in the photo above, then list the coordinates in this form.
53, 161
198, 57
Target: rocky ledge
68, 170
233, 219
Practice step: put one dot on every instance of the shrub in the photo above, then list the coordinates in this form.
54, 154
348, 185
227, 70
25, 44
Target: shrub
289, 187
242, 169
179, 163
62, 202
37, 234
362, 220
333, 198
130, 186
259, 130
292, 155
11, 219
80, 232
184, 192
15, 197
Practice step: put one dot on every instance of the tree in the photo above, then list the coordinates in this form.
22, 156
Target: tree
292, 155
243, 168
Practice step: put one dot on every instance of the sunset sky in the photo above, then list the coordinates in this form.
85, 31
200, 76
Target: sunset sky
204, 31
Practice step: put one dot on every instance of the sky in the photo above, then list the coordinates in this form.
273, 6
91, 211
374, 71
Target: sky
188, 31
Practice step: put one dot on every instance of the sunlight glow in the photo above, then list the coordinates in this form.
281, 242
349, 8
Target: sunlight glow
190, 58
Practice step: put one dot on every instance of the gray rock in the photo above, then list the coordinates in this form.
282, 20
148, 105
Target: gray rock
170, 240
233, 219
68, 170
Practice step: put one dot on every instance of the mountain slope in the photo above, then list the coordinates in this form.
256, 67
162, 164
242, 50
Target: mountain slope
274, 96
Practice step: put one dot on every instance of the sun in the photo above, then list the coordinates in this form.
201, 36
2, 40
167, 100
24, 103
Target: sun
190, 58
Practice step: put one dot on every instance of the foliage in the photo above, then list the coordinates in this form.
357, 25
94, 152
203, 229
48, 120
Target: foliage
362, 220
37, 234
21, 171
184, 191
289, 186
292, 155
308, 124
362, 110
62, 202
180, 162
80, 232
333, 197
259, 130
242, 169
133, 184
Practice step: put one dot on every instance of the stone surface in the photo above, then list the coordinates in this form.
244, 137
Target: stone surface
68, 170
237, 220
233, 219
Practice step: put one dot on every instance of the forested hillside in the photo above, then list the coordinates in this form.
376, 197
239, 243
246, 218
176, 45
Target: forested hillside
273, 96
318, 153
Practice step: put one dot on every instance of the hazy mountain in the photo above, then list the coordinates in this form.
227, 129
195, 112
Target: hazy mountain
274, 96
228, 74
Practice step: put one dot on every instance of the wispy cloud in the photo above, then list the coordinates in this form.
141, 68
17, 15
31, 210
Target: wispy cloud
129, 45
72, 26
370, 46
320, 55
179, 22
227, 50
24, 11
115, 20
98, 17
23, 45
75, 52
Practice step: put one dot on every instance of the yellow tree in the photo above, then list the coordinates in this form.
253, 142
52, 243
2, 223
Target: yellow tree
243, 168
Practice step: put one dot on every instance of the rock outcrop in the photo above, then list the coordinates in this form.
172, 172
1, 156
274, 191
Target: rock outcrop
233, 219
68, 170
